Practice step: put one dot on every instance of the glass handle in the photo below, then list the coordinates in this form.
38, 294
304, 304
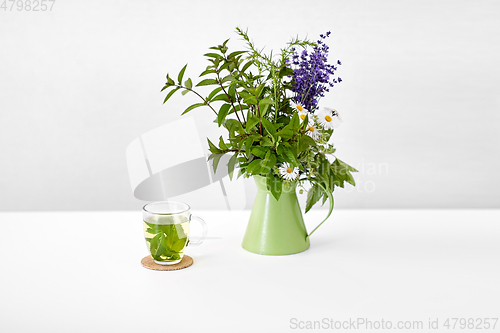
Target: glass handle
203, 233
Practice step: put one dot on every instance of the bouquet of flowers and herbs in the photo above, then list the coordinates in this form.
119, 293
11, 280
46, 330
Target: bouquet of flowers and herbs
269, 104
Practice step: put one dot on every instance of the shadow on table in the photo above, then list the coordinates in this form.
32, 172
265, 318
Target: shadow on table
343, 241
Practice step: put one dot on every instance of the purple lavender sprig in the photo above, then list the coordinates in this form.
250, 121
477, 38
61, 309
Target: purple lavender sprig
311, 75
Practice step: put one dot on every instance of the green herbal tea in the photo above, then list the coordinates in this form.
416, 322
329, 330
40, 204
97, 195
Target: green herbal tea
166, 242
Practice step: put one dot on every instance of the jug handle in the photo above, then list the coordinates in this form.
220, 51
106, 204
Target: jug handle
330, 200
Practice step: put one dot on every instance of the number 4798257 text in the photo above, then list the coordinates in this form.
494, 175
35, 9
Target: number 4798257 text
27, 5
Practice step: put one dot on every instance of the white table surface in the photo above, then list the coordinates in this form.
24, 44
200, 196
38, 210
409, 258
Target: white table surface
81, 272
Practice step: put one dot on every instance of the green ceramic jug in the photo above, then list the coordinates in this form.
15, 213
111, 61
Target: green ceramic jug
276, 227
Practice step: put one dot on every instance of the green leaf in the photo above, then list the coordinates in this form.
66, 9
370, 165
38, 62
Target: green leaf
224, 109
340, 171
170, 82
251, 122
213, 93
239, 143
194, 106
241, 172
216, 158
285, 133
178, 245
222, 145
325, 197
305, 142
345, 165
231, 164
272, 161
268, 126
235, 53
305, 123
227, 78
328, 134
170, 94
265, 101
274, 184
259, 90
153, 228
279, 149
266, 142
248, 98
285, 71
245, 67
291, 158
176, 239
184, 92
350, 179
269, 161
249, 143
221, 97
213, 149
294, 122
313, 196
188, 83
208, 71
207, 82
339, 174
338, 180
233, 125
155, 246
254, 166
181, 74
324, 166
268, 154
213, 55
232, 91
259, 151
263, 110
225, 65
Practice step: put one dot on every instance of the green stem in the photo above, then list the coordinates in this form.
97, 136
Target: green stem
276, 104
236, 92
241, 108
228, 97
258, 114
204, 100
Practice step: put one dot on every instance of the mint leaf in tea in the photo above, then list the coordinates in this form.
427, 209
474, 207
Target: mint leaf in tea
166, 242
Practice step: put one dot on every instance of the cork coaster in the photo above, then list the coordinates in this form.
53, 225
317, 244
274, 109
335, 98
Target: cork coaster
149, 263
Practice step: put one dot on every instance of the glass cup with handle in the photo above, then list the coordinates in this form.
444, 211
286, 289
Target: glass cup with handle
166, 230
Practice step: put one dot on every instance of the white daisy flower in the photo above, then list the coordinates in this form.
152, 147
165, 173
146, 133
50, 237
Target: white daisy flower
297, 106
301, 110
312, 131
329, 118
287, 172
302, 115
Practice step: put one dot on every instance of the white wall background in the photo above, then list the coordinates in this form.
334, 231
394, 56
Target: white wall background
420, 97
